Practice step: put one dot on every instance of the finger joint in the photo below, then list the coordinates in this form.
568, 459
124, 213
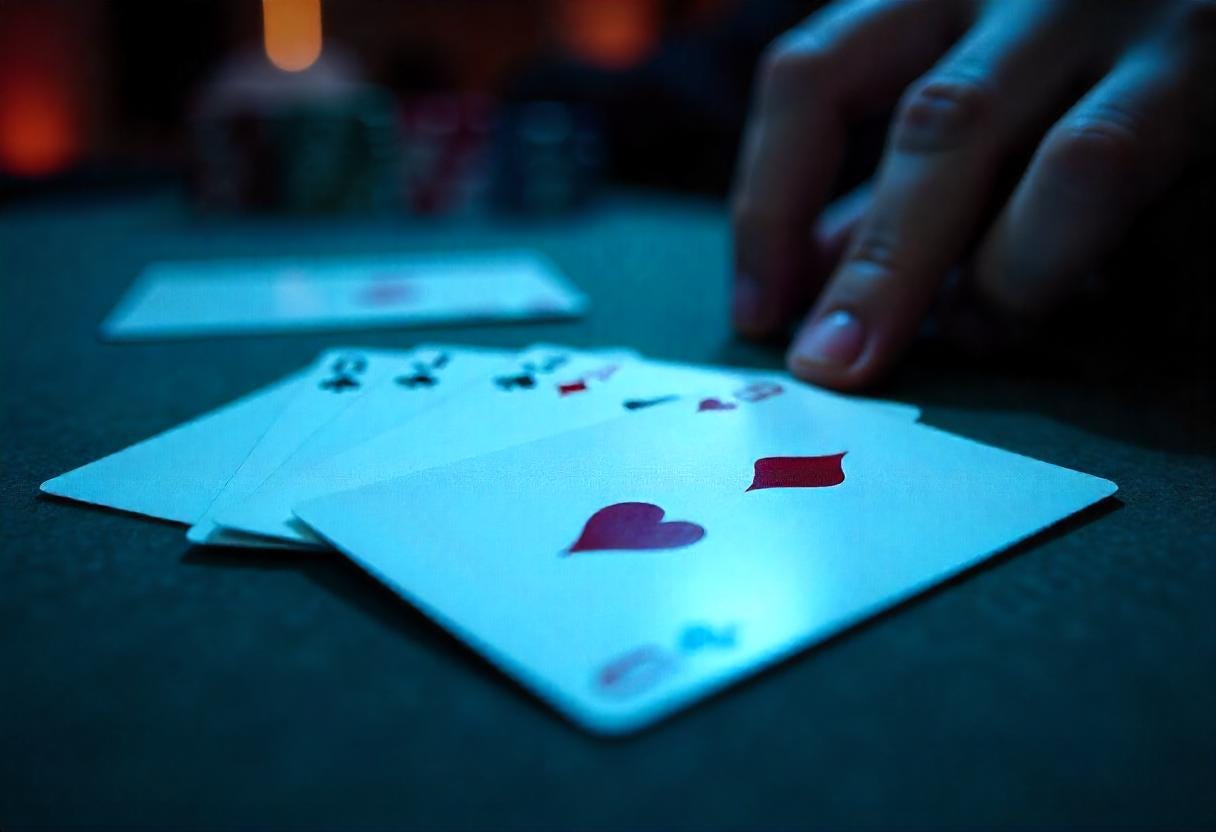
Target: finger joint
941, 113
875, 257
1094, 159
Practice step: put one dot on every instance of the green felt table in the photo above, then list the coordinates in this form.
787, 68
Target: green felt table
143, 683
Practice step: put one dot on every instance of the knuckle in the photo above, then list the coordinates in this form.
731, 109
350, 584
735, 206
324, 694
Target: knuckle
874, 260
1093, 158
939, 113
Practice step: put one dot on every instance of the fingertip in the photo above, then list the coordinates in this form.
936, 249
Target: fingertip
835, 339
829, 349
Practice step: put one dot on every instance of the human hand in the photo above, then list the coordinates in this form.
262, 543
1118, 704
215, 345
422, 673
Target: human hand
1116, 99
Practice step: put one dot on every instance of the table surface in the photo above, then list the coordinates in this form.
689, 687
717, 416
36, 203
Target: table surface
148, 684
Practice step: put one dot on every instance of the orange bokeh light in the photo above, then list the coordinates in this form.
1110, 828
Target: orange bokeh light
40, 105
38, 133
291, 33
610, 33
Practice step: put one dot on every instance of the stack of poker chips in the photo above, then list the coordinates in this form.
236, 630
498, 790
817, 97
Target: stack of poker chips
446, 142
547, 158
466, 154
319, 141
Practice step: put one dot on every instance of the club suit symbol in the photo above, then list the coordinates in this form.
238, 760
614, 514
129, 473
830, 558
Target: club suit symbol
526, 378
797, 472
634, 526
346, 371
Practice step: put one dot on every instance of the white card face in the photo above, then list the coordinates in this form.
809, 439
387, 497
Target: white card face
338, 379
624, 571
896, 409
543, 390
496, 416
715, 375
434, 375
176, 474
226, 297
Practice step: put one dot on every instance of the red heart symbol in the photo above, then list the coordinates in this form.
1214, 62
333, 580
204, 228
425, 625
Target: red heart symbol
634, 526
715, 404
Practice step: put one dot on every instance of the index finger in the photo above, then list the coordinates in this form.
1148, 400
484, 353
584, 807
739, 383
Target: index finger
851, 56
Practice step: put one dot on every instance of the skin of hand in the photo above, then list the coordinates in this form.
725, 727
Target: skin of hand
1115, 100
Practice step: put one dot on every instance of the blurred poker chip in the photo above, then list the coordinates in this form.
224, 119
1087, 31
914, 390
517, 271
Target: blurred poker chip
547, 157
323, 141
465, 153
318, 141
445, 151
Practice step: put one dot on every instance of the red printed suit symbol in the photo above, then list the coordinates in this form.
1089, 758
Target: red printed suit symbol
387, 292
758, 391
635, 672
580, 384
715, 404
797, 472
634, 526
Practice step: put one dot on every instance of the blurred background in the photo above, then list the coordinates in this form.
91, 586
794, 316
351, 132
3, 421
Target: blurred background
450, 108
412, 106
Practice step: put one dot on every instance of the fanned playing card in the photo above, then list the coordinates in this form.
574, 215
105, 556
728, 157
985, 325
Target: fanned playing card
628, 569
428, 377
338, 379
544, 391
175, 475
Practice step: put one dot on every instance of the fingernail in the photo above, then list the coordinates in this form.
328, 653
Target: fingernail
746, 305
834, 340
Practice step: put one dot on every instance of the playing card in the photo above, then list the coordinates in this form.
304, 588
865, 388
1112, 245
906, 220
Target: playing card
501, 413
625, 570
543, 390
338, 379
176, 474
226, 297
431, 377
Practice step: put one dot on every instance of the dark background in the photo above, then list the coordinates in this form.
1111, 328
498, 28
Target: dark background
101, 87
146, 684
